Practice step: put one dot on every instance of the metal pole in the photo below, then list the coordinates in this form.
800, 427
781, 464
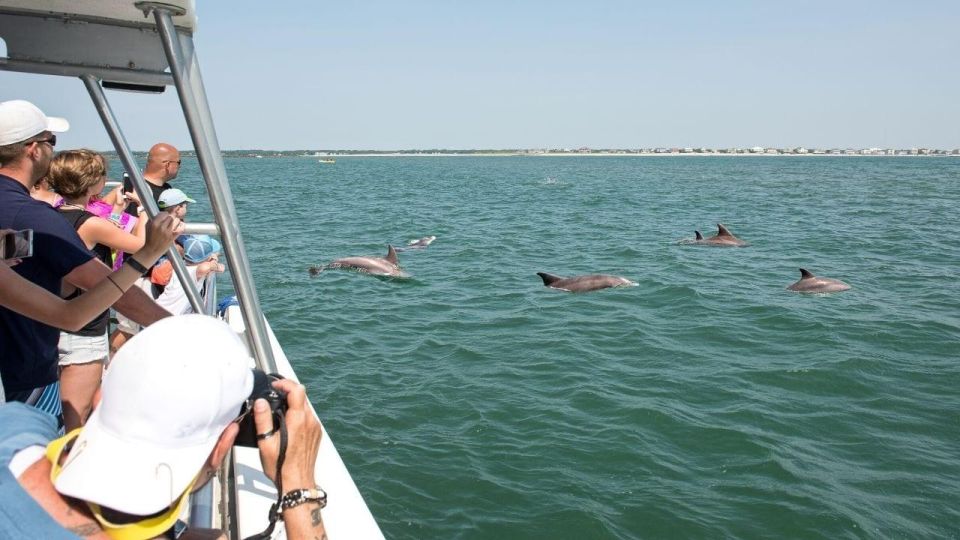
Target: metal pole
185, 69
139, 184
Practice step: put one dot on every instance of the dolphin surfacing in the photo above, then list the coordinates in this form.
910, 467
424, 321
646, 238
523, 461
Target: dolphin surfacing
810, 283
388, 266
723, 238
418, 244
585, 283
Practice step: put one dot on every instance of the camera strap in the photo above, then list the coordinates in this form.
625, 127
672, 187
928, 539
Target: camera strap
274, 514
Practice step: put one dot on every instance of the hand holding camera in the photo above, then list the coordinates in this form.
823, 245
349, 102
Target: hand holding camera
16, 245
303, 437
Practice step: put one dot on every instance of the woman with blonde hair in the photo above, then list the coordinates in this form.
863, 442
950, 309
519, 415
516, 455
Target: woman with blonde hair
78, 176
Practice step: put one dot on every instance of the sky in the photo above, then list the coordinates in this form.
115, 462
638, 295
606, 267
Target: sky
551, 74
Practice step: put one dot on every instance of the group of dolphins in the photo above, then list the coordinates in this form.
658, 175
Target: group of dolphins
389, 266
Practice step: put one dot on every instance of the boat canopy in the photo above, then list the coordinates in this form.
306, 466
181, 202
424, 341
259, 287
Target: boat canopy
116, 40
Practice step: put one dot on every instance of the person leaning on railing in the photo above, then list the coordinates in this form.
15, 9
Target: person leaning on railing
161, 429
28, 349
79, 176
30, 300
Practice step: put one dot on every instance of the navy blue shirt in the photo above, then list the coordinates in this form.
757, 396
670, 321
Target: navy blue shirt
28, 349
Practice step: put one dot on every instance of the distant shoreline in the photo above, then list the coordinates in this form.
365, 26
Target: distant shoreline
235, 154
333, 154
611, 154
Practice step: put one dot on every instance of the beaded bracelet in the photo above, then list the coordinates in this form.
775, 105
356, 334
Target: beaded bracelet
300, 496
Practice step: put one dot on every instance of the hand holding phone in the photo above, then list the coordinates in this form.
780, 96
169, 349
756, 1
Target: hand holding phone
16, 244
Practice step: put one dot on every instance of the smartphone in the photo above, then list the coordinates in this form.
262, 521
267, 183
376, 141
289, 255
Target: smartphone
17, 244
127, 183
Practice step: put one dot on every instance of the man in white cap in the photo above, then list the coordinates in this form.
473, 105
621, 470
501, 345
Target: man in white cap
163, 425
28, 349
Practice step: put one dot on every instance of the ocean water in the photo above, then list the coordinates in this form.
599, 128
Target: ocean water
470, 401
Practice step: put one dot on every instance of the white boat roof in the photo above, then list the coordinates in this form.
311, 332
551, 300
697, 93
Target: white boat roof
113, 37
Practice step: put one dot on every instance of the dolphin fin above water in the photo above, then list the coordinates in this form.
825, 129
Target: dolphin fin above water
388, 266
391, 255
722, 231
723, 238
548, 278
810, 283
585, 283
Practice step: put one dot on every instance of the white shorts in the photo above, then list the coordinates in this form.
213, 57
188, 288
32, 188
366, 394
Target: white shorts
126, 325
76, 349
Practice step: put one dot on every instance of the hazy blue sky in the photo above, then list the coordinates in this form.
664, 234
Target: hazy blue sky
497, 74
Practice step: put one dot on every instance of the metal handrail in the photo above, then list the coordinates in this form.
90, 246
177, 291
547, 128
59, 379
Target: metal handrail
193, 100
139, 184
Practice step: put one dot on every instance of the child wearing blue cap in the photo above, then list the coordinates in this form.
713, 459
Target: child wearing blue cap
201, 253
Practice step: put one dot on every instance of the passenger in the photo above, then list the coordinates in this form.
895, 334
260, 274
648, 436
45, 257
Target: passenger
79, 175
163, 164
201, 253
22, 296
174, 202
28, 349
42, 192
160, 430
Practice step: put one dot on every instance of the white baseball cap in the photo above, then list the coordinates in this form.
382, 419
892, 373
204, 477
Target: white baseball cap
20, 120
172, 197
162, 410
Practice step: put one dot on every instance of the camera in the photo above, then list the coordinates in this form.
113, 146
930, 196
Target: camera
277, 399
17, 244
127, 183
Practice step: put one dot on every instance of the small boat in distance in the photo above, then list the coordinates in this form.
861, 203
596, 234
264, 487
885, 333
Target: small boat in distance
327, 160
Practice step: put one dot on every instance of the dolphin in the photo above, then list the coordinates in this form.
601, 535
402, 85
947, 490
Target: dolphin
418, 244
386, 266
586, 283
810, 283
723, 238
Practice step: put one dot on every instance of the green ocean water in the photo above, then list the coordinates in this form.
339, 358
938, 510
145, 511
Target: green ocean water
469, 401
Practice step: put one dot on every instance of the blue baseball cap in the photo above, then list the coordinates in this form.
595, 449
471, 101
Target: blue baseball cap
198, 247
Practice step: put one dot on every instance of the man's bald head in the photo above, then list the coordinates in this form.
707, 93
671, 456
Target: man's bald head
163, 163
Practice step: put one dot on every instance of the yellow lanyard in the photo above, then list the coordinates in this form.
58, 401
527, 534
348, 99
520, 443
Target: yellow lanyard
140, 530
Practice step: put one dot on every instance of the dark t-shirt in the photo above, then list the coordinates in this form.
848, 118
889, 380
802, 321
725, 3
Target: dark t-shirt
156, 190
28, 349
76, 218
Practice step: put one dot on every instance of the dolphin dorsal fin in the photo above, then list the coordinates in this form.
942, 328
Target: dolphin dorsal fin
722, 231
804, 273
548, 278
392, 256
699, 236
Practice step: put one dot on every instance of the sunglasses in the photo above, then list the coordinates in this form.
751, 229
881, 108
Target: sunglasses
172, 161
52, 141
